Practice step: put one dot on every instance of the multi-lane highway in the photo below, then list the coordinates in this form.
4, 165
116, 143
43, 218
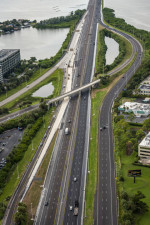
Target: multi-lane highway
59, 199
65, 183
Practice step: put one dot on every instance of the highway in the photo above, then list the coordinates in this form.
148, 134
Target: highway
68, 190
56, 186
60, 190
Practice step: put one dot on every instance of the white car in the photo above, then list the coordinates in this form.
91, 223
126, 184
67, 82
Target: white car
70, 207
75, 179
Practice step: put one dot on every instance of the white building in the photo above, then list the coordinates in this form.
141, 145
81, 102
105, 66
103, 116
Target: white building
139, 109
145, 86
144, 147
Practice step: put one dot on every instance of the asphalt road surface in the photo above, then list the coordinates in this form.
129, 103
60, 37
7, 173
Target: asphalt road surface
106, 188
106, 209
48, 213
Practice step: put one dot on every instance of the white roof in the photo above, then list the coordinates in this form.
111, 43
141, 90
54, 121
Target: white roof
146, 141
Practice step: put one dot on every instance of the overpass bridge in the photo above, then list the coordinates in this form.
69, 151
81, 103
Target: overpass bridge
73, 92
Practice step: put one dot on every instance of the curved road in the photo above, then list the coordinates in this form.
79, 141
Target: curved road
106, 187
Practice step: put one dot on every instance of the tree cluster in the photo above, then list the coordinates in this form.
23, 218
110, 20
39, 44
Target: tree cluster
62, 21
138, 77
110, 18
101, 61
26, 69
21, 214
142, 35
132, 206
126, 136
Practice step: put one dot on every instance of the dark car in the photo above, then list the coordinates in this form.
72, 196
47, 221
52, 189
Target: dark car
46, 203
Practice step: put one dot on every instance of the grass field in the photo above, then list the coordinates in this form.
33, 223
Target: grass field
124, 163
142, 183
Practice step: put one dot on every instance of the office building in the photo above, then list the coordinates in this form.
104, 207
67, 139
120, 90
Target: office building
144, 147
9, 59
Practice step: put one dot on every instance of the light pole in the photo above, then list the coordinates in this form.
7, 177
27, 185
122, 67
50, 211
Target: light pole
17, 171
43, 121
32, 145
6, 91
103, 69
31, 212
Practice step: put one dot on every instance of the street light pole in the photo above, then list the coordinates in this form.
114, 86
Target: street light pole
43, 121
17, 171
31, 212
32, 145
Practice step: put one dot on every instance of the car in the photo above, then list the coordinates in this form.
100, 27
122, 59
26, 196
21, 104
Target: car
49, 127
104, 127
45, 135
84, 98
101, 128
74, 179
3, 144
70, 207
27, 86
46, 204
69, 121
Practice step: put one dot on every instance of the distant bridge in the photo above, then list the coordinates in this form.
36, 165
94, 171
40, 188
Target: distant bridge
74, 92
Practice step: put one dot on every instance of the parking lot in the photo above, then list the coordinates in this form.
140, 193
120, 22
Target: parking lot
136, 119
8, 140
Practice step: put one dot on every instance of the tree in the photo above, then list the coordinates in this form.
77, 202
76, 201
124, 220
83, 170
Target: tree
21, 215
131, 117
140, 134
124, 195
140, 206
146, 125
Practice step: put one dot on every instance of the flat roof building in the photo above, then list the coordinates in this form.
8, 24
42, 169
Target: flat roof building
144, 147
9, 59
139, 109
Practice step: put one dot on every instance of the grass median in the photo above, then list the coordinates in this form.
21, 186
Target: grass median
97, 98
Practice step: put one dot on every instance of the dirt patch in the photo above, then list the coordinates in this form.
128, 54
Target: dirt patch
94, 91
100, 27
